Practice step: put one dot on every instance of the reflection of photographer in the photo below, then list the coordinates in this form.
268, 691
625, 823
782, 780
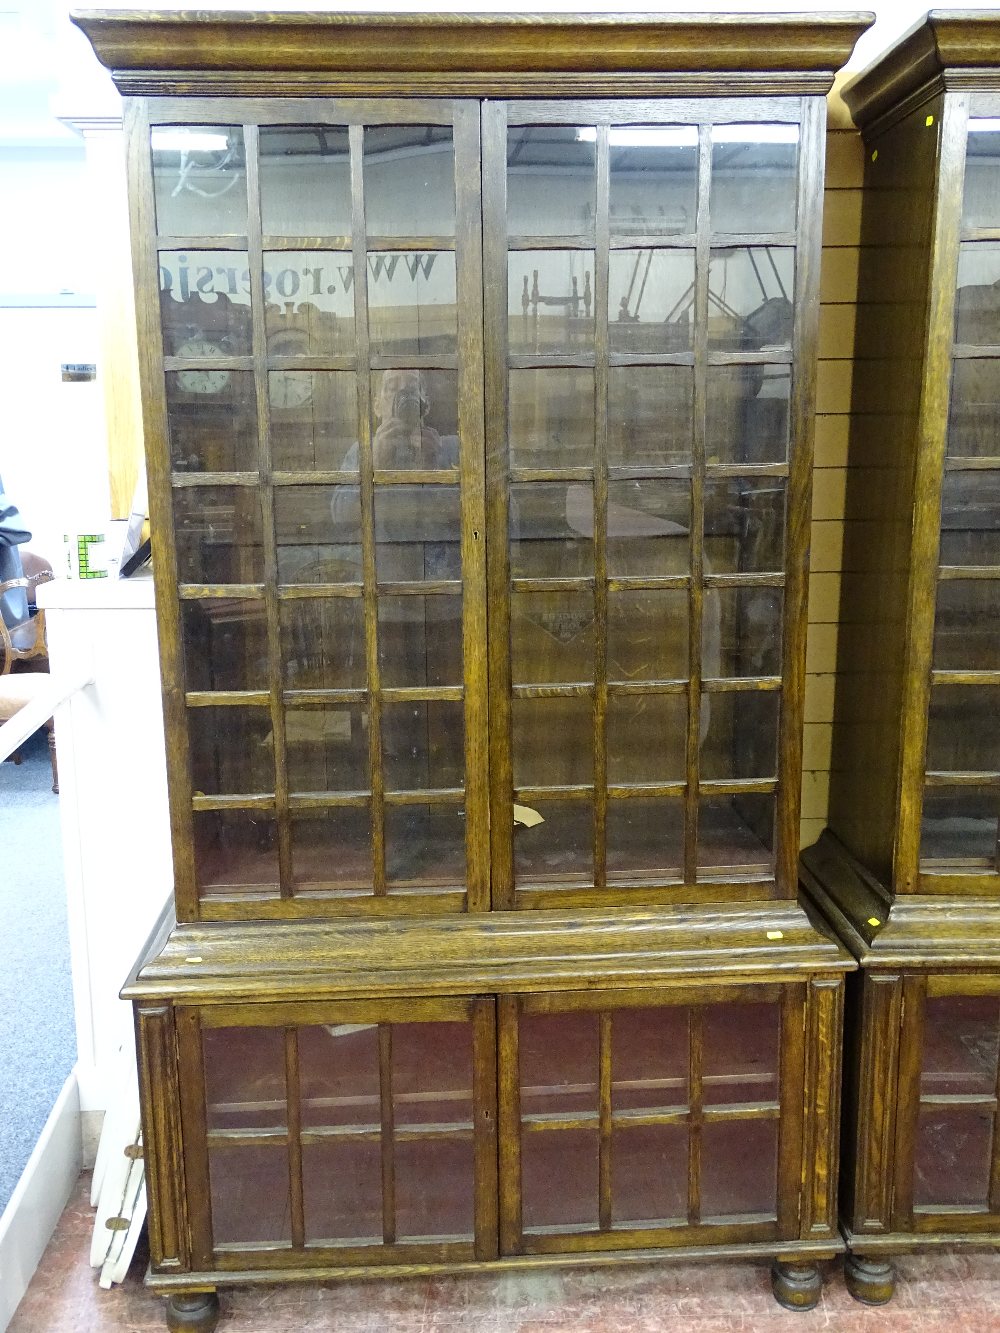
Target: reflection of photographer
402, 439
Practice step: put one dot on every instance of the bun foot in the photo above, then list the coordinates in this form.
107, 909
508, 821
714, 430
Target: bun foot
796, 1286
870, 1281
197, 1313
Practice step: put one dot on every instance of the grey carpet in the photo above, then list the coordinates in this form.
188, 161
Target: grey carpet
37, 1030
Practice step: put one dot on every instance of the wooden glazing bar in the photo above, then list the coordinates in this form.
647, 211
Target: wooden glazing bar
197, 592
533, 1124
582, 584
636, 583
417, 477
249, 801
484, 1099
547, 360
314, 479
213, 242
571, 241
736, 786
621, 792
742, 1111
401, 694
965, 677
652, 472
740, 684
600, 547
695, 1106
676, 1115
190, 480
979, 234
650, 358
454, 1131
626, 688
388, 1149
975, 351
403, 244
551, 473
246, 1138
746, 469
366, 468
271, 242
419, 588
293, 1102
772, 356
294, 592
426, 796
227, 699
936, 778
341, 800
983, 464
574, 690
569, 792
744, 580
673, 241
324, 696
270, 546
959, 1099
509, 1126
947, 572
604, 1095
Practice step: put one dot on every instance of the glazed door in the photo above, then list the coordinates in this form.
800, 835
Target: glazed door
318, 506
650, 293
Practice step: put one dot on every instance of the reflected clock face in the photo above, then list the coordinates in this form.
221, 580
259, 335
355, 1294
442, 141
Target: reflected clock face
202, 381
289, 389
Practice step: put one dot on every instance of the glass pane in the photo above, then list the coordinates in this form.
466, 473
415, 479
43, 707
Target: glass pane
236, 852
951, 1160
748, 414
310, 303
205, 306
970, 518
412, 303
960, 825
552, 530
559, 1063
750, 294
977, 303
326, 748
199, 180
218, 534
551, 421
741, 632
305, 180
967, 625
963, 729
559, 1180
645, 840
654, 179
418, 531
225, 645
409, 180
244, 1078
974, 415
314, 421
416, 419
339, 1076
551, 637
250, 1195
735, 836
739, 734
650, 416
212, 420
961, 1033
744, 525
342, 1192
550, 301
435, 1188
232, 751
551, 180
646, 736
754, 177
741, 1053
649, 1060
648, 526
423, 745
651, 300
323, 643
649, 1175
981, 205
553, 742
425, 846
559, 851
648, 634
318, 532
332, 850
432, 1074
739, 1168
420, 641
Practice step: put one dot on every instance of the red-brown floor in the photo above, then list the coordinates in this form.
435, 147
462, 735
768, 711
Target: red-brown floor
957, 1292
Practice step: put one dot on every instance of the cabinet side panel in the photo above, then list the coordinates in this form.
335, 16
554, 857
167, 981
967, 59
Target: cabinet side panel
824, 1042
893, 303
871, 1081
168, 1248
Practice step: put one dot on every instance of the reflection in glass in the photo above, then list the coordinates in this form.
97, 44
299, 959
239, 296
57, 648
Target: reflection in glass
323, 643
649, 1170
747, 414
409, 180
648, 526
425, 847
559, 1180
551, 530
420, 641
645, 839
551, 180
735, 836
309, 303
963, 729
551, 417
651, 300
952, 1155
250, 1195
750, 294
551, 637
199, 180
739, 1168
648, 634
740, 734
650, 416
326, 748
654, 179
314, 420
417, 533
967, 625
747, 624
977, 302
960, 826
744, 524
423, 745
342, 1191
970, 518
305, 180
338, 1075
225, 644
960, 1040
435, 1188
318, 533
212, 420
741, 1053
412, 303
550, 301
974, 414
558, 852
415, 414
649, 1059
232, 751
205, 309
553, 742
244, 1078
432, 1074
754, 170
218, 534
981, 204
559, 1061
646, 736
235, 852
332, 850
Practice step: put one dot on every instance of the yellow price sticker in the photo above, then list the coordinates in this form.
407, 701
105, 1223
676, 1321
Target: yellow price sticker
775, 934
874, 921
